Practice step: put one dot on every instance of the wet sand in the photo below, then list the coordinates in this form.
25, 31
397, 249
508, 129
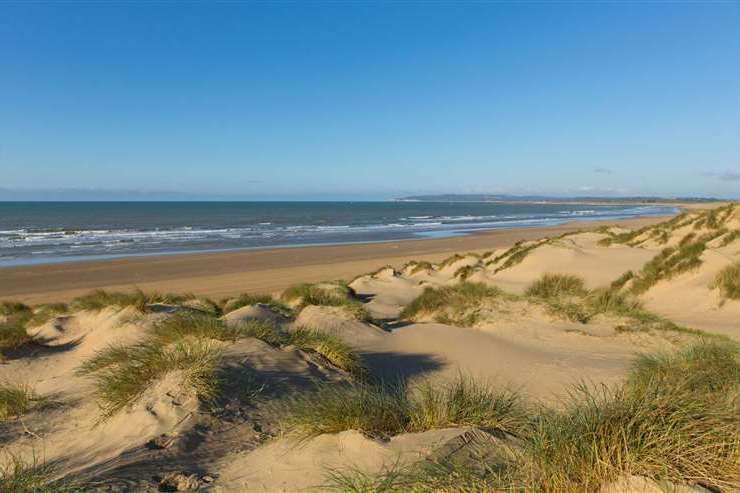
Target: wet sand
260, 270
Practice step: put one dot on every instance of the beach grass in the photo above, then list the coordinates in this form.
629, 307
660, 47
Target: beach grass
123, 373
465, 401
99, 299
44, 313
337, 294
464, 272
417, 266
331, 347
18, 399
180, 325
20, 476
728, 282
673, 419
451, 303
550, 286
384, 410
246, 299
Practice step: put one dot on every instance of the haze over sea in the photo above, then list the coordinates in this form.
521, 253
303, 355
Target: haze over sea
43, 232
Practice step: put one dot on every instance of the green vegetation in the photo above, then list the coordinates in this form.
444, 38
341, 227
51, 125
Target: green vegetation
673, 419
386, 410
728, 282
668, 263
712, 219
229, 305
729, 237
179, 326
13, 333
14, 309
419, 266
556, 285
338, 294
464, 272
328, 345
450, 260
17, 399
123, 373
466, 402
44, 313
100, 299
453, 302
19, 476
516, 254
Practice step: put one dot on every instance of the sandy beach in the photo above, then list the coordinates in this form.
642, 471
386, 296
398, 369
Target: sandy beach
257, 271
484, 334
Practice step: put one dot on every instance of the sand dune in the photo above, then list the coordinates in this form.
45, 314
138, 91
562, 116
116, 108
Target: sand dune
536, 319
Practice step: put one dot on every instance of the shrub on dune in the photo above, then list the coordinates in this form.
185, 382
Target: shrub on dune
728, 282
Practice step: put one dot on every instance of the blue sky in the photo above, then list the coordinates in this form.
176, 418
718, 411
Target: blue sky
371, 100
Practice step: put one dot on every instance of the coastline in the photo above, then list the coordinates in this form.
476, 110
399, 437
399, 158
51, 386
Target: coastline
266, 270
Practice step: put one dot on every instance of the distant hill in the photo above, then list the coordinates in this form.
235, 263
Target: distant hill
476, 197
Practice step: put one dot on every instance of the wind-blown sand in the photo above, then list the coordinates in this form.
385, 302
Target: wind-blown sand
511, 340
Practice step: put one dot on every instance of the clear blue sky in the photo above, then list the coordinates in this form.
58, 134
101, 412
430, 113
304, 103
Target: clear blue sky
371, 100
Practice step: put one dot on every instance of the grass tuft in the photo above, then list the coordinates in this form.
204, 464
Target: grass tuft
123, 373
452, 302
340, 295
375, 410
100, 299
668, 263
674, 419
229, 305
16, 400
386, 410
419, 266
728, 282
551, 286
19, 476
466, 402
44, 313
329, 346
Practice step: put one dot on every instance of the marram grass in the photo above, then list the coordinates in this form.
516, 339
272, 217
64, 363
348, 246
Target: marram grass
674, 418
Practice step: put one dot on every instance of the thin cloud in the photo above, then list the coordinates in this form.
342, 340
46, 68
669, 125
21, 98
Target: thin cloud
603, 171
727, 175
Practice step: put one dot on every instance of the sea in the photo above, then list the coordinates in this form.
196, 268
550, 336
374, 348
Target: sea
47, 232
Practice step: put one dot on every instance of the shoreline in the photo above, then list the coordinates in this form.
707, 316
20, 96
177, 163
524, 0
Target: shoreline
218, 274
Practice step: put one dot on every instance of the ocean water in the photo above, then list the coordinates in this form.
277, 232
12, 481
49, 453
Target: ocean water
39, 232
